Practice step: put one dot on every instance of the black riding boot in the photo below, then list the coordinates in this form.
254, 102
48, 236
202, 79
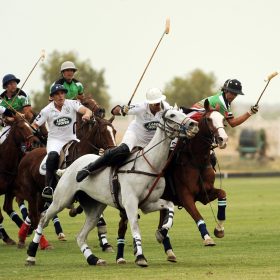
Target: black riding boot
51, 167
110, 157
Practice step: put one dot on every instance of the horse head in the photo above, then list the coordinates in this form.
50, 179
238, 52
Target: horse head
100, 133
176, 124
90, 103
215, 124
22, 133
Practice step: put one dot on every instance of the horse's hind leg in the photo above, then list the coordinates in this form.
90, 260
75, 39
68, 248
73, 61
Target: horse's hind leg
3, 234
8, 208
102, 231
93, 210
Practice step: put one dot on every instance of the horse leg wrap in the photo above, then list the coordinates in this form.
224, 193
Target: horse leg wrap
23, 210
15, 217
32, 249
222, 204
166, 243
202, 228
24, 229
168, 219
57, 225
121, 244
137, 246
90, 257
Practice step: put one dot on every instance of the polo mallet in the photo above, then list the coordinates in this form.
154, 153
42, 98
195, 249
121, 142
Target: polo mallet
268, 79
166, 31
41, 58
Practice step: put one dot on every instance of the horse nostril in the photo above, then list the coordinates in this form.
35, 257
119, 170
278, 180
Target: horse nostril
220, 139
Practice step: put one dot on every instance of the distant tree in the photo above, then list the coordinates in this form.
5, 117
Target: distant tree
190, 89
92, 80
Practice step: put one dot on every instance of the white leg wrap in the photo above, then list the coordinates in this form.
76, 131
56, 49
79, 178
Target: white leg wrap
86, 251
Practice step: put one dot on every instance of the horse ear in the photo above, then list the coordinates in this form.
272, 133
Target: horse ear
175, 107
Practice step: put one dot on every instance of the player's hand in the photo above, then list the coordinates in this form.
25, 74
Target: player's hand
254, 109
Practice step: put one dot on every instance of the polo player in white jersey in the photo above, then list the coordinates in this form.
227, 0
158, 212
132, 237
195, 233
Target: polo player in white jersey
60, 115
139, 133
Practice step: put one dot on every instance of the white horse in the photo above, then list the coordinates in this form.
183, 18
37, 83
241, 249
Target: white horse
137, 190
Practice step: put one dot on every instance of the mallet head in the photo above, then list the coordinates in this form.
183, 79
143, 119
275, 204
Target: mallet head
167, 26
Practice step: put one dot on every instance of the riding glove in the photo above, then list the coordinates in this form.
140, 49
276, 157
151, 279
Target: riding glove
254, 109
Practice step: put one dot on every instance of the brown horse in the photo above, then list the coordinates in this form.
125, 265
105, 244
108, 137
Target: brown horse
190, 178
19, 139
98, 133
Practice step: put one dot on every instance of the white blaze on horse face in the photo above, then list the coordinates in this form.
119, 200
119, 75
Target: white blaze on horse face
110, 129
220, 133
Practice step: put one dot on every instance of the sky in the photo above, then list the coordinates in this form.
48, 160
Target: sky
230, 38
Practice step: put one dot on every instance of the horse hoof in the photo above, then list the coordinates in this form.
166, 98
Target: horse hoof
121, 261
101, 262
9, 241
171, 256
107, 248
219, 233
30, 261
21, 245
61, 237
209, 242
141, 261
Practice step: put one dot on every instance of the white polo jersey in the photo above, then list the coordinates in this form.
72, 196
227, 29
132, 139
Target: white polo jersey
142, 129
60, 123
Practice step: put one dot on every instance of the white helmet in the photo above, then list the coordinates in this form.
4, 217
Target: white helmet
154, 95
68, 65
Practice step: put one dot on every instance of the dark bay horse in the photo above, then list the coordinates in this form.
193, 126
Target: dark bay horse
190, 178
12, 150
98, 133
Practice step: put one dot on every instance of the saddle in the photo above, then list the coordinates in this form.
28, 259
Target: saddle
62, 159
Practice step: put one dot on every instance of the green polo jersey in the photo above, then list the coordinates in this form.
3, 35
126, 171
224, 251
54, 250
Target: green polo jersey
214, 100
20, 101
74, 88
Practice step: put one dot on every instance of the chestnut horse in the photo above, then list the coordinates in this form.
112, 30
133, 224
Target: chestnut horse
190, 178
19, 140
97, 133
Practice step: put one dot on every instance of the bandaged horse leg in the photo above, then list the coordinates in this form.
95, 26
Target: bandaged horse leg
166, 240
102, 231
219, 230
23, 209
92, 212
15, 217
207, 240
23, 232
167, 223
58, 229
121, 238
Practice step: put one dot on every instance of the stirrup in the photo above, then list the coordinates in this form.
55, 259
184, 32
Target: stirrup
47, 193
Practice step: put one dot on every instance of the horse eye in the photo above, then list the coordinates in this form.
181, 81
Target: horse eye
172, 115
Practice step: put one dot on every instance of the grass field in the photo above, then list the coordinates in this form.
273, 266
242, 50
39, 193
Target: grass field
249, 250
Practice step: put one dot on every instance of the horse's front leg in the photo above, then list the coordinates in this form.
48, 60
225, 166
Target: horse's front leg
219, 230
189, 204
131, 207
167, 219
121, 238
171, 257
3, 234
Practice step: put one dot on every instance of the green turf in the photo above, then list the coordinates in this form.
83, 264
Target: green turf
250, 249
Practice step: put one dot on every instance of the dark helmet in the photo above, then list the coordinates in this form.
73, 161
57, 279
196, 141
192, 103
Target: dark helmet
57, 87
233, 85
8, 78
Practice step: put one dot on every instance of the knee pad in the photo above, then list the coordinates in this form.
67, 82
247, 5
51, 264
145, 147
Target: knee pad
52, 161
